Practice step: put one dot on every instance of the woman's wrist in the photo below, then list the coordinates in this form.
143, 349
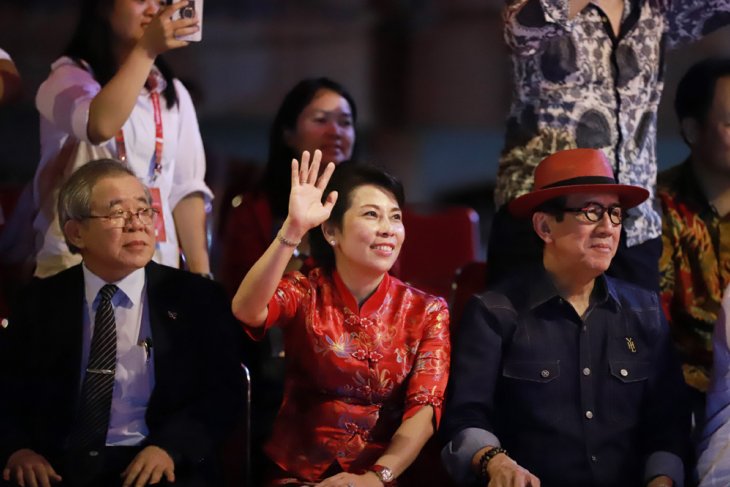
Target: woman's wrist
290, 233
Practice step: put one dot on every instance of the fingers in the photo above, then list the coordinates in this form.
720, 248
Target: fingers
304, 167
156, 475
294, 173
131, 473
168, 10
6, 474
324, 179
170, 474
330, 201
314, 168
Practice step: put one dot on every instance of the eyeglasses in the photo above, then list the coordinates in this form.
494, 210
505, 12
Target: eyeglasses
121, 218
594, 212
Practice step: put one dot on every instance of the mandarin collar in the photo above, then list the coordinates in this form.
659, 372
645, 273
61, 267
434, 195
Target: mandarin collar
371, 304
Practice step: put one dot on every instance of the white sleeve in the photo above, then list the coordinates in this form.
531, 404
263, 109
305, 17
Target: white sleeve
65, 96
190, 158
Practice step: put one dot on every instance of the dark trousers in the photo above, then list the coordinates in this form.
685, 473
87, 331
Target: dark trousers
513, 245
105, 469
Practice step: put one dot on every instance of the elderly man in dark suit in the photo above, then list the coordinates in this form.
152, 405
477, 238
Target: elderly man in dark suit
117, 371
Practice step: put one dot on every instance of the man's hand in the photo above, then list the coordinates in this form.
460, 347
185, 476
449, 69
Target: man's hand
505, 472
29, 469
148, 467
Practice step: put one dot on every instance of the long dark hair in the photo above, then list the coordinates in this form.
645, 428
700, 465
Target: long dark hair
92, 42
345, 180
276, 182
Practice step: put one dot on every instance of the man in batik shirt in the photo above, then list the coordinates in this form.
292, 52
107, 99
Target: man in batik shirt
695, 197
590, 74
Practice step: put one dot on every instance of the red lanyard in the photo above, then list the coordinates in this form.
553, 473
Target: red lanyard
157, 155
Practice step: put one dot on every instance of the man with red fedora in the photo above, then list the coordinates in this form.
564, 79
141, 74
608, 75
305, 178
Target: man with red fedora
561, 375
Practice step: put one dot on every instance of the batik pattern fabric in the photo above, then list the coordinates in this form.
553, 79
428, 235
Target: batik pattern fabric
695, 268
354, 373
576, 84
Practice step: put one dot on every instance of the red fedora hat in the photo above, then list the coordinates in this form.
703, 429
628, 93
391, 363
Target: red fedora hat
574, 171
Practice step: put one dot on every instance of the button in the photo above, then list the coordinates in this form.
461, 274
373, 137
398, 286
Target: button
545, 373
586, 371
594, 458
589, 414
93, 453
4, 322
623, 372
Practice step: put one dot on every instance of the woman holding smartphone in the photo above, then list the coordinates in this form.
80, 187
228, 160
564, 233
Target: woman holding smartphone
367, 355
112, 95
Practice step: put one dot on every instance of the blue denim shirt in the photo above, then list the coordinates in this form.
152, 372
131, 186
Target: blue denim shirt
579, 402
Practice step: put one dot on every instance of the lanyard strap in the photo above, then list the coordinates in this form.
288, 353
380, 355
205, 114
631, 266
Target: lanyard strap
157, 155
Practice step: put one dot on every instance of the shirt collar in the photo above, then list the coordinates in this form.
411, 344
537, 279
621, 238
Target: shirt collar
131, 287
541, 289
159, 80
690, 190
371, 304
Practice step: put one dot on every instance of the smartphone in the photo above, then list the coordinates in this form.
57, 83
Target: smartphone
193, 8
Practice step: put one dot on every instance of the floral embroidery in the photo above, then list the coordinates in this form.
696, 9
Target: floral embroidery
350, 367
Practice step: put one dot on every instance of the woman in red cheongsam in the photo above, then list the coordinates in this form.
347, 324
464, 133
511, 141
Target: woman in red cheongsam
367, 355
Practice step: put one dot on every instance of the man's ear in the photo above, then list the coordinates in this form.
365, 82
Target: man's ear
542, 225
72, 230
690, 130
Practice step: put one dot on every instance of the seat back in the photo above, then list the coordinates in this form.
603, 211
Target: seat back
236, 452
468, 280
437, 244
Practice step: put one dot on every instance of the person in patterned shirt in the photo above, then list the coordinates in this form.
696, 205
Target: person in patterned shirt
367, 355
590, 74
695, 200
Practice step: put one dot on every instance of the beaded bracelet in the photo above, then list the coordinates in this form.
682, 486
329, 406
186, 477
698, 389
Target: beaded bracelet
289, 243
486, 457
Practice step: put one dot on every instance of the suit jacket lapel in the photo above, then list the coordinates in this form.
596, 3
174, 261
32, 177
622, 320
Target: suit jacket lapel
162, 313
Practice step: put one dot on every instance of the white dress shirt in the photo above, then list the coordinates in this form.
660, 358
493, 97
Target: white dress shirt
134, 376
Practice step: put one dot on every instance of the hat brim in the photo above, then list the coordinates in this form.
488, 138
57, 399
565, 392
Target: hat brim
629, 196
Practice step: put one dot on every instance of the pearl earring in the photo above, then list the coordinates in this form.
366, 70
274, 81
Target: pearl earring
332, 243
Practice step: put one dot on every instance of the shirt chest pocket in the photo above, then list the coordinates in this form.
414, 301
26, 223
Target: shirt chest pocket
533, 391
627, 385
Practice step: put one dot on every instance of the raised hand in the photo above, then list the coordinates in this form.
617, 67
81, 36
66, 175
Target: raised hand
306, 209
163, 33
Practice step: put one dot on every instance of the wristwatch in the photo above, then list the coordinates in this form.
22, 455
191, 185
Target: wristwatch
384, 474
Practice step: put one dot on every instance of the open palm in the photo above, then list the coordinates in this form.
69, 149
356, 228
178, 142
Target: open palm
306, 209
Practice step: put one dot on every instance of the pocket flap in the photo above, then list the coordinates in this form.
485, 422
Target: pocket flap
532, 371
630, 371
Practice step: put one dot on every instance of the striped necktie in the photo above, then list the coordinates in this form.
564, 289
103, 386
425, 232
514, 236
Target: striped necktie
92, 421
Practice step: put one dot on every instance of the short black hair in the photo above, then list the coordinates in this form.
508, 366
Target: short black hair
696, 89
554, 206
346, 179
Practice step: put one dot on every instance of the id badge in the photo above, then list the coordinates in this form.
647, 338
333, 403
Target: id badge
160, 235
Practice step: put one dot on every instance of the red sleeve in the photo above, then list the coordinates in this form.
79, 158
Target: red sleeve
293, 288
430, 373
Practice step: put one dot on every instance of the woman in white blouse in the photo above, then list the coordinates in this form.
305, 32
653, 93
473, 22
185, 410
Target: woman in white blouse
111, 95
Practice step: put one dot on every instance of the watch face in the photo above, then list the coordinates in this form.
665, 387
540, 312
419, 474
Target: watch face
386, 474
